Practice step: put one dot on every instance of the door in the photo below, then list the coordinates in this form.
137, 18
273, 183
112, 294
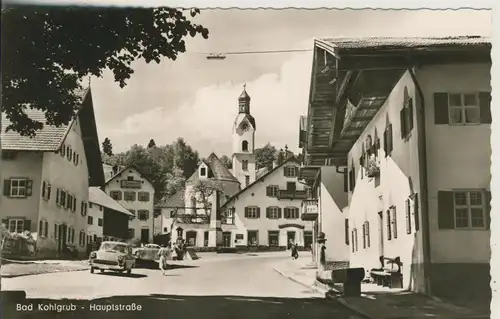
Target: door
226, 239
290, 238
145, 235
291, 186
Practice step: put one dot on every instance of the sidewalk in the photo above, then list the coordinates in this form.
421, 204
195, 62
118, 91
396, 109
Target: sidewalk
38, 267
379, 302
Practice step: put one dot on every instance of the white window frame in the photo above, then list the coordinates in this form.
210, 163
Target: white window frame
18, 188
141, 194
463, 108
274, 190
252, 212
17, 222
292, 211
44, 230
289, 169
142, 211
274, 212
101, 220
469, 208
229, 218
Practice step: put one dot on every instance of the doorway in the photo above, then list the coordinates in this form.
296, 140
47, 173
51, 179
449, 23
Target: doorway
226, 239
145, 235
191, 238
290, 238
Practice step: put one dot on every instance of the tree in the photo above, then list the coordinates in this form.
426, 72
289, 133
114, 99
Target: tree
266, 156
151, 143
203, 191
281, 157
107, 147
48, 50
226, 160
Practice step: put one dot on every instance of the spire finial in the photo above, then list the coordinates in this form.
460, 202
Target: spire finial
244, 86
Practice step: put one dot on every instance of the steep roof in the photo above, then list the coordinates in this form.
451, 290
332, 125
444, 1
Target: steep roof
176, 200
51, 138
216, 170
258, 180
97, 196
124, 169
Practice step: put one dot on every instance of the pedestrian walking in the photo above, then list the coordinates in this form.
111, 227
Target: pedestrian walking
163, 253
295, 251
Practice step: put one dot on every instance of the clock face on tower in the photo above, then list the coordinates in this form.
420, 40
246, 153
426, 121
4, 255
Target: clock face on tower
244, 126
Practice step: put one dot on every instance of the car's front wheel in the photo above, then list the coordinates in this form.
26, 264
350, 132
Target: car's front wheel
91, 270
102, 270
129, 271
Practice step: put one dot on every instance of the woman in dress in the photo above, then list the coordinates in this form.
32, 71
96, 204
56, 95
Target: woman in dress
163, 259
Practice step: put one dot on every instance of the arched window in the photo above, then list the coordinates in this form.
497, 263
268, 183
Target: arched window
244, 146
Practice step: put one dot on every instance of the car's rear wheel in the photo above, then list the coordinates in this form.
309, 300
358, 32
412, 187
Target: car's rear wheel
91, 270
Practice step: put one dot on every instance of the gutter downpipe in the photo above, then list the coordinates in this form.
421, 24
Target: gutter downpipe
424, 198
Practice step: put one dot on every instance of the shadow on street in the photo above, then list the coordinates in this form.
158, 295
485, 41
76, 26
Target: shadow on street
118, 274
178, 306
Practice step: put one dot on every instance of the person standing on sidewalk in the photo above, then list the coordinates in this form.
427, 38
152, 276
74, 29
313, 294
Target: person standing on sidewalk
163, 253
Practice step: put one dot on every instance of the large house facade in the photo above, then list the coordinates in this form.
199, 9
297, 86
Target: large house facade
46, 181
136, 193
409, 121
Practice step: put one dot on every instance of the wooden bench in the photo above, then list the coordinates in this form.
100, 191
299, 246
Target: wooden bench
388, 275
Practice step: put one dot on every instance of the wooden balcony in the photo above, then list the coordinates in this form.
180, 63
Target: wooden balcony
287, 194
309, 210
193, 219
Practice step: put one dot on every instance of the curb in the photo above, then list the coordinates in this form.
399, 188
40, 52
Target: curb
314, 287
41, 273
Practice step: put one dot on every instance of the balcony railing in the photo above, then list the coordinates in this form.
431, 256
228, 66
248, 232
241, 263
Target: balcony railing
309, 209
131, 184
193, 219
287, 194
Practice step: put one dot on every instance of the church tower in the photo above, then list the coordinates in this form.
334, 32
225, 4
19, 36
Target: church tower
244, 167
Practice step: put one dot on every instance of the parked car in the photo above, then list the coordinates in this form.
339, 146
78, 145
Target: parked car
112, 255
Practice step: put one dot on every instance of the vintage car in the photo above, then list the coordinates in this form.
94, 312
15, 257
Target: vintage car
112, 255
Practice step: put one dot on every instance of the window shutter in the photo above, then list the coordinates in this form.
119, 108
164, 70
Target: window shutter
410, 115
368, 234
119, 195
441, 108
40, 227
6, 187
364, 235
29, 187
284, 171
416, 212
346, 182
46, 228
268, 191
296, 171
352, 239
279, 212
74, 204
49, 187
402, 119
485, 107
408, 217
446, 212
43, 189
395, 221
246, 212
390, 138
27, 225
362, 160
488, 208
389, 231
346, 227
353, 177
258, 212
385, 143
57, 195
144, 195
267, 212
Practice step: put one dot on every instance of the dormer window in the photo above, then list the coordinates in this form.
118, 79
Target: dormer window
244, 146
130, 178
203, 171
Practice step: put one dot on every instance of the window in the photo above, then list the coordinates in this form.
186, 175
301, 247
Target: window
69, 154
90, 205
129, 196
389, 228
69, 201
228, 219
408, 207
16, 225
406, 115
388, 143
46, 190
75, 158
244, 165
82, 238
394, 222
355, 239
143, 196
244, 146
8, 155
99, 222
272, 191
273, 212
252, 212
130, 178
253, 238
366, 235
43, 228
469, 209
90, 220
143, 214
83, 208
203, 171
416, 217
290, 171
116, 195
346, 228
464, 108
62, 152
352, 241
131, 233
291, 213
352, 178
247, 180
274, 236
60, 197
18, 187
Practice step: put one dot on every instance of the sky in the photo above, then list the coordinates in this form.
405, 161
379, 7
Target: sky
197, 99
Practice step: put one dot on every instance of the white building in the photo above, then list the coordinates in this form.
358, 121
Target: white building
134, 192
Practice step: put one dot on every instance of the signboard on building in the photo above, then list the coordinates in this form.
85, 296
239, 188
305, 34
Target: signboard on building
130, 184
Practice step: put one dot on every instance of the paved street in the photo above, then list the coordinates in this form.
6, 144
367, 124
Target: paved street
245, 287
